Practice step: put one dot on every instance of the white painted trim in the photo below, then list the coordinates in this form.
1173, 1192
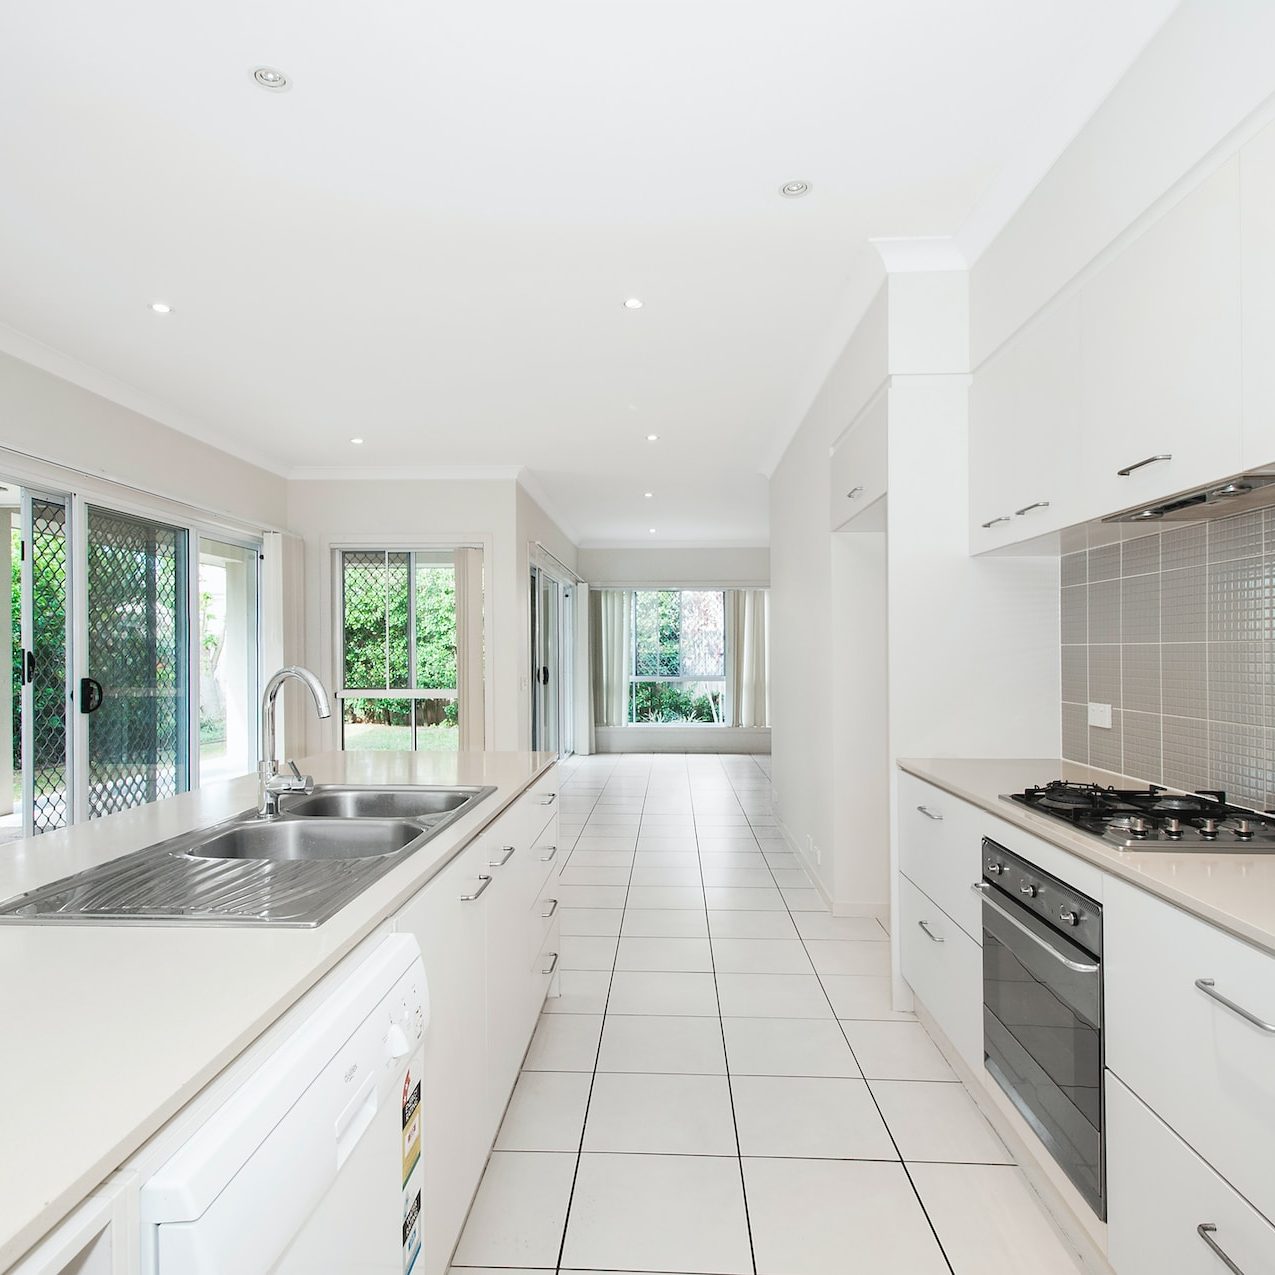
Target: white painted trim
674, 544
403, 473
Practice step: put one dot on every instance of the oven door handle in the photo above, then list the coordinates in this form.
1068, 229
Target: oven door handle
983, 889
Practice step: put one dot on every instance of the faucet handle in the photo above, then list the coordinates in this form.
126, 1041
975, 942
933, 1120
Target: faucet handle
297, 775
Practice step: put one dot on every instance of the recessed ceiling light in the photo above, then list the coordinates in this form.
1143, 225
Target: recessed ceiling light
651, 530
652, 438
358, 442
794, 190
633, 303
648, 494
270, 78
161, 307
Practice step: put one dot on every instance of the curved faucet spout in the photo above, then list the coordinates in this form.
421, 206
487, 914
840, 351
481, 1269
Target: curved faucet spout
269, 768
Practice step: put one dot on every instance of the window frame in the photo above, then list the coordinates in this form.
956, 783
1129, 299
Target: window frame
668, 679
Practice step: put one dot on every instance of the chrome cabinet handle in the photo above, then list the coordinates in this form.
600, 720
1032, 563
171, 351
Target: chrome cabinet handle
549, 800
553, 964
1209, 988
469, 898
994, 521
1081, 967
929, 814
1206, 1231
929, 934
553, 907
506, 853
854, 493
1150, 460
548, 858
1026, 509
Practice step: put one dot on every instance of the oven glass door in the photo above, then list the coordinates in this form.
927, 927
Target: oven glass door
1042, 1022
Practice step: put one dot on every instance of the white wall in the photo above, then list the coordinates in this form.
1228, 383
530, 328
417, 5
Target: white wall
677, 568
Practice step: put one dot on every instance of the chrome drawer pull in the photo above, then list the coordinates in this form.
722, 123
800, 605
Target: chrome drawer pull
995, 521
1209, 988
929, 934
929, 814
1150, 460
854, 493
549, 800
1026, 509
982, 888
1206, 1231
469, 898
548, 858
506, 853
553, 907
553, 964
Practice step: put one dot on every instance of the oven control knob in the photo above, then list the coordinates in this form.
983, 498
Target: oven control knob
995, 868
1031, 891
1068, 917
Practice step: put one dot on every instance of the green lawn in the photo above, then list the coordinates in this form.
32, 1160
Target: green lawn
362, 736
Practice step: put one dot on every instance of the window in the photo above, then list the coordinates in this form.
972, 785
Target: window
398, 650
679, 657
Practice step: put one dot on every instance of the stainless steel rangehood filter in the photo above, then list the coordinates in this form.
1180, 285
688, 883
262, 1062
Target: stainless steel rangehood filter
1251, 490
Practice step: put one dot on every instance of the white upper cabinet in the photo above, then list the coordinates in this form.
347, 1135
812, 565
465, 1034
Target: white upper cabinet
1025, 474
1257, 234
1160, 355
858, 471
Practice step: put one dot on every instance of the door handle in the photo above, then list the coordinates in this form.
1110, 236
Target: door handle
506, 853
854, 493
1150, 460
929, 814
91, 694
929, 934
552, 906
553, 964
994, 521
548, 858
1209, 988
544, 675
1026, 509
474, 894
28, 667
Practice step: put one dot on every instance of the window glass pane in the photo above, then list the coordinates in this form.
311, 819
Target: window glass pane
375, 587
436, 728
702, 634
435, 627
377, 724
681, 701
679, 633
227, 660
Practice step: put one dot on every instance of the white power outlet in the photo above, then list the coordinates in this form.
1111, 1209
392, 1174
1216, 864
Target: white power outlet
1100, 716
813, 850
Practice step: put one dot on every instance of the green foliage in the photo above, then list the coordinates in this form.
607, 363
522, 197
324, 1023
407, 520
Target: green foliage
670, 702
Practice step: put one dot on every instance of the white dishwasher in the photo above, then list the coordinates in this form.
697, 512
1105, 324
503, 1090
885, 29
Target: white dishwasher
312, 1164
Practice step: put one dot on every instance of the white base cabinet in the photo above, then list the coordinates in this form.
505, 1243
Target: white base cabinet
1160, 1196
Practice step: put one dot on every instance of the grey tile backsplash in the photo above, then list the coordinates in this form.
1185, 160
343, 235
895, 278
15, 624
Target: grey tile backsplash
1176, 631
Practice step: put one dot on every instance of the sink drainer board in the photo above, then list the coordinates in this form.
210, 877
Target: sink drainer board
188, 880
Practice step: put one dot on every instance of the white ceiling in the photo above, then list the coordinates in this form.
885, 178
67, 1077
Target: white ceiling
426, 240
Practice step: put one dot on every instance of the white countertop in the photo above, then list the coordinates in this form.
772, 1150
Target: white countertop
1235, 892
108, 1030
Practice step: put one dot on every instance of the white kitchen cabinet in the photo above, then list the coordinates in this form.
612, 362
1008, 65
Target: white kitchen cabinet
1160, 368
944, 967
1201, 1065
1025, 469
940, 848
99, 1238
1257, 245
1160, 1193
858, 471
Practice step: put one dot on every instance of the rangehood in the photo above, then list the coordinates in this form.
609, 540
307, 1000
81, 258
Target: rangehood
1251, 490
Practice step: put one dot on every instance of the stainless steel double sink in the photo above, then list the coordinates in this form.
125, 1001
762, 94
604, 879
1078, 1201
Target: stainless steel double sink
298, 869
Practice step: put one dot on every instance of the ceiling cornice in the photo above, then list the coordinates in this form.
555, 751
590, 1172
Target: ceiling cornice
404, 473
535, 489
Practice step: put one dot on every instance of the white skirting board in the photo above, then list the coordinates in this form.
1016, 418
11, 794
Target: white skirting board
681, 739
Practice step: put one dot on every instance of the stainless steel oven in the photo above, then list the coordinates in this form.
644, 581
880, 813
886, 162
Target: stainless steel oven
1042, 1010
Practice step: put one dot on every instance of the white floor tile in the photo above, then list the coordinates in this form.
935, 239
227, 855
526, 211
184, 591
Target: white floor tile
597, 922
804, 900
731, 899
932, 1121
896, 1051
591, 896
583, 992
601, 858
564, 1042
546, 1112
860, 996
659, 1214
679, 955
641, 993
590, 874
668, 923
667, 859
659, 875
731, 859
990, 1222
817, 1117
666, 896
577, 952
790, 878
656, 1114
751, 925
650, 843
813, 925
751, 878
787, 1047
760, 956
518, 1215
827, 1217
772, 996
593, 838
709, 844
673, 1044
850, 957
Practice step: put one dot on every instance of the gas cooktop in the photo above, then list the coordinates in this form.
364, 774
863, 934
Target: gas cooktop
1154, 818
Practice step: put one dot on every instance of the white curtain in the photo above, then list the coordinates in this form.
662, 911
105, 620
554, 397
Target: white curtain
583, 742
610, 616
471, 711
746, 632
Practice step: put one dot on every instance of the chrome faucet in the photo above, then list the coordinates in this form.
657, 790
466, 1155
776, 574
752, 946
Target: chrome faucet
270, 783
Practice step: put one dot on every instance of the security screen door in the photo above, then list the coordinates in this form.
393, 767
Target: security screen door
135, 697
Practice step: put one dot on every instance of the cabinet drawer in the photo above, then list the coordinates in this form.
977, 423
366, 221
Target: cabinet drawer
1161, 1193
944, 967
857, 471
940, 848
1201, 1066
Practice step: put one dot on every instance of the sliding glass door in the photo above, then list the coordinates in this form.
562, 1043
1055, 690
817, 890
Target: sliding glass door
552, 609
